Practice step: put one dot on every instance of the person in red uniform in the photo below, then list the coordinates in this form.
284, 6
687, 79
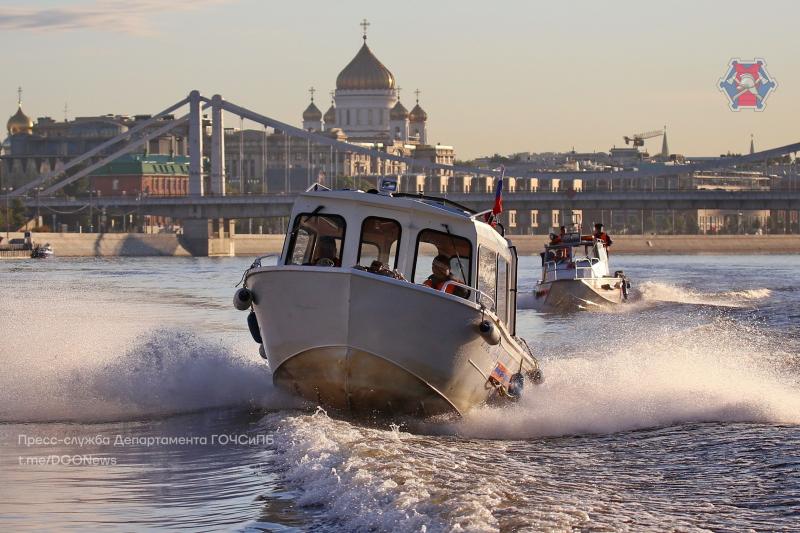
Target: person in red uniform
601, 235
441, 275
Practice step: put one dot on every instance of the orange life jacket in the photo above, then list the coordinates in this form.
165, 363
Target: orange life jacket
439, 284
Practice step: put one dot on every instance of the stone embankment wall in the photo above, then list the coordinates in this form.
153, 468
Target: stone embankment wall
109, 244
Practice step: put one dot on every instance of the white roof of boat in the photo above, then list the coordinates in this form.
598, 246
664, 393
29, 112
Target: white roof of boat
440, 208
436, 206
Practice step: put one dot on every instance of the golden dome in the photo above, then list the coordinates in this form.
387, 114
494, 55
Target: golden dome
418, 114
365, 72
398, 112
19, 123
312, 113
330, 116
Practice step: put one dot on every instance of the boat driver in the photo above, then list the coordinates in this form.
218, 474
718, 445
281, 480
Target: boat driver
326, 252
441, 275
601, 235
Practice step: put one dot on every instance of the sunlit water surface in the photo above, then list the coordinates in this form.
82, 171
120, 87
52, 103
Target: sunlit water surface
132, 397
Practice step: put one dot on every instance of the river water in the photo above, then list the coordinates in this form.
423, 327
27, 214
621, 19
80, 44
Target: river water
132, 398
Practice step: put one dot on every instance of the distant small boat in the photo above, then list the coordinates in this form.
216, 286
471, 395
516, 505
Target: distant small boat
576, 276
42, 252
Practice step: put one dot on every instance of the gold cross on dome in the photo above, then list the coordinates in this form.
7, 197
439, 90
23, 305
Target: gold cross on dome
398, 92
19, 95
364, 25
417, 92
311, 91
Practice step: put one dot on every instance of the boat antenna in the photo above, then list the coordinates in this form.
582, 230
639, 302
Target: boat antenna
453, 242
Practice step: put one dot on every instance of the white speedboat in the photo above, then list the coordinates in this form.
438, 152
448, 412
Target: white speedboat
576, 276
346, 321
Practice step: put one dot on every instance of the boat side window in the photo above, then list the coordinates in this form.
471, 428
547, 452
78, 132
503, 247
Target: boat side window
316, 240
432, 243
380, 239
502, 289
487, 276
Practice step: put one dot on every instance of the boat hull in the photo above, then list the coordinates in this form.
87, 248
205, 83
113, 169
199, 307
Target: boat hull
578, 294
360, 342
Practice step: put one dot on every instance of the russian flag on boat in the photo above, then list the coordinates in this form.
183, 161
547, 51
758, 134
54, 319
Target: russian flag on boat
497, 208
501, 374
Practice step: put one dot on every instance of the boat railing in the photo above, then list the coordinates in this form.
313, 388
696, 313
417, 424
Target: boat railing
581, 268
584, 267
479, 294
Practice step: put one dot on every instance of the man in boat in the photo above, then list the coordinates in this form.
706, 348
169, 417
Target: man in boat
551, 255
441, 275
560, 254
326, 255
601, 235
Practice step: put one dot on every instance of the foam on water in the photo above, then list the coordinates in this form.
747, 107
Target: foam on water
629, 379
653, 291
77, 360
367, 479
719, 372
163, 372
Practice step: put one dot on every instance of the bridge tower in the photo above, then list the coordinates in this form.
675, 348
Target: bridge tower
203, 236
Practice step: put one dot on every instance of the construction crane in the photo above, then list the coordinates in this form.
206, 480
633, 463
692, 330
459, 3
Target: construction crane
638, 138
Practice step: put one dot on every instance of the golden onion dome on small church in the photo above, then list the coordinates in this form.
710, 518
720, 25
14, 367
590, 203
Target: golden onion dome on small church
418, 114
330, 115
19, 123
364, 73
398, 112
312, 113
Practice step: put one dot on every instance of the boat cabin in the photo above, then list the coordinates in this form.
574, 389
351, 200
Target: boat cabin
399, 236
575, 256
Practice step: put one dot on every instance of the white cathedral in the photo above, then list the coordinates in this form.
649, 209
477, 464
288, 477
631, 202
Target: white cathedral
366, 109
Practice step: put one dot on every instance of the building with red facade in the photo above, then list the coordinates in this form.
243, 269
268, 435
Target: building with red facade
151, 175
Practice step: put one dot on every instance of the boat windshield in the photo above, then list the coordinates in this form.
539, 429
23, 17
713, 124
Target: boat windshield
316, 239
432, 243
380, 238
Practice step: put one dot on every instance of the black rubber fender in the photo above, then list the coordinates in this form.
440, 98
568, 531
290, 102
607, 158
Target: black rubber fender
516, 385
252, 323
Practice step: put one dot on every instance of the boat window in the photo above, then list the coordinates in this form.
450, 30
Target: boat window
316, 240
502, 288
487, 276
431, 243
380, 239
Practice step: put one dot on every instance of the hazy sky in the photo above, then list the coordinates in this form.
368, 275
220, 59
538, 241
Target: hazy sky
500, 76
